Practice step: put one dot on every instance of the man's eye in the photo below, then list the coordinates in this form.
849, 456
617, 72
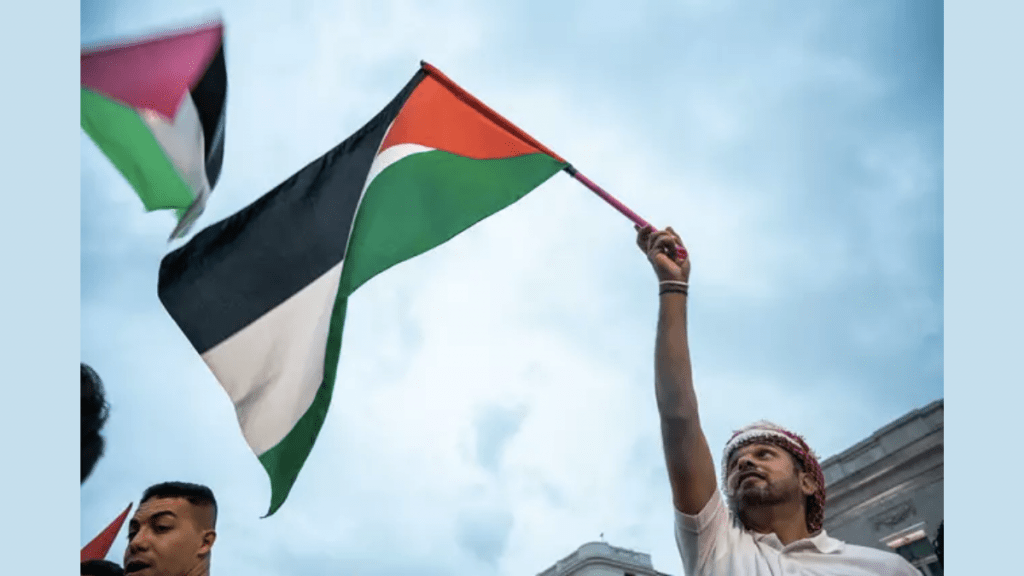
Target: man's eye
162, 528
131, 535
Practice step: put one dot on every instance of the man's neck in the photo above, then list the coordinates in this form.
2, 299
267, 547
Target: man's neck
200, 569
789, 524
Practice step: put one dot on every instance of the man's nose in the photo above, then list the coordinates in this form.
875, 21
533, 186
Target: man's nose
139, 542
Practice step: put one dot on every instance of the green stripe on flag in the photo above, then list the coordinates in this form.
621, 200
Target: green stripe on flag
130, 145
425, 199
283, 461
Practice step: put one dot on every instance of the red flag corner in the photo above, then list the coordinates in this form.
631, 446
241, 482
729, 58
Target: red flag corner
98, 548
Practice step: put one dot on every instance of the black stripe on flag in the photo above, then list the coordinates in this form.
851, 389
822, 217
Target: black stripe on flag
209, 96
240, 268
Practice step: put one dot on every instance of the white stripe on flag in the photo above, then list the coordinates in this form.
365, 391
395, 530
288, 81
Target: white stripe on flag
273, 367
388, 157
184, 144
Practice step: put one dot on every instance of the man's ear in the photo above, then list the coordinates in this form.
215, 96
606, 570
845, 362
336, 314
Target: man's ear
808, 485
208, 538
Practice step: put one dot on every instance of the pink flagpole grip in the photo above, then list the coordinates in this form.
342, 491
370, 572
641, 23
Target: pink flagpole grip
681, 253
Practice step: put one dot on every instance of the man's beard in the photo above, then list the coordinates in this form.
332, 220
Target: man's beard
757, 494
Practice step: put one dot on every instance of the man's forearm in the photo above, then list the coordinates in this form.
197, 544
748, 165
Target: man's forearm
673, 373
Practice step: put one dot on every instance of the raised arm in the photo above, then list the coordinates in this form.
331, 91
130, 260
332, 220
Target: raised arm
691, 470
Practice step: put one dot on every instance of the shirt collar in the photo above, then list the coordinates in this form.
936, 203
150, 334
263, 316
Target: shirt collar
825, 543
821, 541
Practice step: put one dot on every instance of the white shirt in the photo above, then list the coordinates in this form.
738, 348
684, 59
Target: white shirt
714, 543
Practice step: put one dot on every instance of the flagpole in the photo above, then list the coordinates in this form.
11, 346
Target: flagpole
622, 208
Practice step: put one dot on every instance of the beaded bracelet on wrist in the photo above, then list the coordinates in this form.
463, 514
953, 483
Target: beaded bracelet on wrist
673, 286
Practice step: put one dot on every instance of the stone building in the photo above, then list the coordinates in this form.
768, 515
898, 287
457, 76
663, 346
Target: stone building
886, 491
603, 559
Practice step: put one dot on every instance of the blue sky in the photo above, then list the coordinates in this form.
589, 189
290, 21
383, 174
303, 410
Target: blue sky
494, 407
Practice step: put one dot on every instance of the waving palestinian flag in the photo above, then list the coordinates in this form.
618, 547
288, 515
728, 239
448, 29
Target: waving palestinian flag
155, 107
262, 295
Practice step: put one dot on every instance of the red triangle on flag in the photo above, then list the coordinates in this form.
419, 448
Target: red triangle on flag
155, 73
98, 548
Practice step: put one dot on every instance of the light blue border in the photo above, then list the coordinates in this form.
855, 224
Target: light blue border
39, 314
984, 208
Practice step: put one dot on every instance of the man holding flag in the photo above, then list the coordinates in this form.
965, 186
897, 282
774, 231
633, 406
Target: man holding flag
772, 522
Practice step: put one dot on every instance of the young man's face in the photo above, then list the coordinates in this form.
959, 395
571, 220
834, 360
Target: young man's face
765, 474
167, 537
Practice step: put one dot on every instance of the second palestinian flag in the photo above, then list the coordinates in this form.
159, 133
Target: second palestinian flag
262, 294
155, 107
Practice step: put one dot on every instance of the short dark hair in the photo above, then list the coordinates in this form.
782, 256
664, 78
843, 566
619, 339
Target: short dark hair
94, 415
101, 568
196, 494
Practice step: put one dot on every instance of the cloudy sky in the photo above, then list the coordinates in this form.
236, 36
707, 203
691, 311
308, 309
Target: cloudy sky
494, 407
